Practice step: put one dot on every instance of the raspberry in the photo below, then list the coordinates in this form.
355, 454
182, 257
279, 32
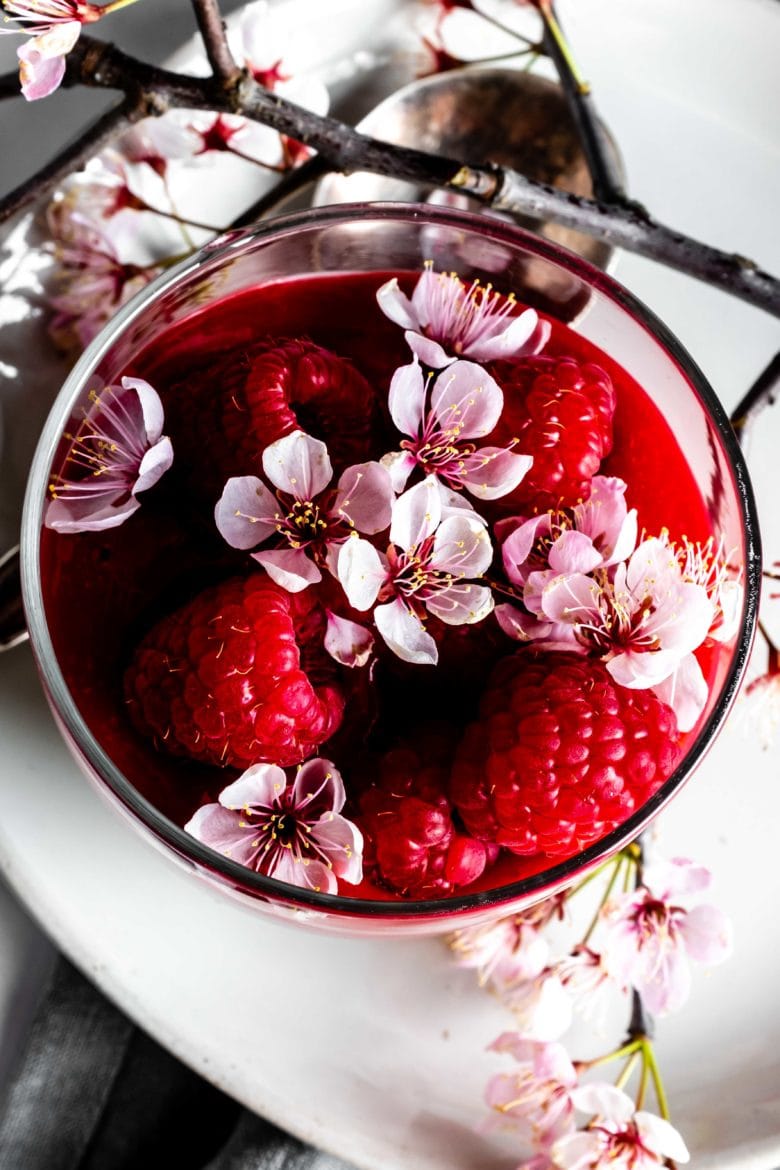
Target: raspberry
412, 845
560, 409
560, 755
237, 676
235, 407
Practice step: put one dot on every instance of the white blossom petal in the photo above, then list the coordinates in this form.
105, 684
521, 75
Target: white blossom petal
298, 465
405, 634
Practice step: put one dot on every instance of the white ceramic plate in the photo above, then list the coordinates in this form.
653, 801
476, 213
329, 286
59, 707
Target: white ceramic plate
375, 1049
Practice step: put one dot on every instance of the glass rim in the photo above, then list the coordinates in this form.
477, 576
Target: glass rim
264, 888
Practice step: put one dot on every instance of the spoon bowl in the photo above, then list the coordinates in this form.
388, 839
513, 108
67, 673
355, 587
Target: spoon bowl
506, 116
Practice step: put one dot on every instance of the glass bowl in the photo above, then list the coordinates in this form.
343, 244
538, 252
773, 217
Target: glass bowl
382, 238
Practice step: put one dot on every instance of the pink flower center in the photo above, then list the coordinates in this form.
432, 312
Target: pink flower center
310, 524
622, 623
463, 315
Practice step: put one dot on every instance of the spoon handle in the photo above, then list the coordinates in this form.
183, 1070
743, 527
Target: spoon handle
12, 624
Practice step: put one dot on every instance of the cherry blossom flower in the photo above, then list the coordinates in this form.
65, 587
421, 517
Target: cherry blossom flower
650, 935
591, 535
535, 1099
55, 26
539, 550
446, 319
508, 950
441, 415
95, 280
309, 521
434, 549
618, 1137
644, 618
287, 829
118, 451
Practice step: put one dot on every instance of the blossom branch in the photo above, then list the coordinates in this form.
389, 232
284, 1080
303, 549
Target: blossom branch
72, 158
764, 392
606, 180
212, 30
156, 90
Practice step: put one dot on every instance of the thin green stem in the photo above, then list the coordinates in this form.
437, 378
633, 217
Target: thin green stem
622, 859
655, 1073
625, 1050
642, 1087
115, 5
625, 1074
556, 32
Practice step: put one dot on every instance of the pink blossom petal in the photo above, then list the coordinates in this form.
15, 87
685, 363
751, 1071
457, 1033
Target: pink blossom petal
569, 597
429, 352
466, 401
220, 829
676, 877
260, 784
573, 552
246, 513
289, 568
577, 1151
661, 1137
298, 465
40, 75
665, 982
416, 514
318, 789
311, 875
348, 642
524, 627
524, 335
405, 634
542, 1007
685, 691
461, 605
461, 546
69, 516
406, 398
155, 463
396, 305
520, 625
603, 1100
151, 406
343, 842
361, 572
399, 465
517, 546
365, 497
494, 472
708, 934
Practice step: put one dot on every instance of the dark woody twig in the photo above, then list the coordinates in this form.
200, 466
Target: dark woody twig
605, 176
212, 30
154, 91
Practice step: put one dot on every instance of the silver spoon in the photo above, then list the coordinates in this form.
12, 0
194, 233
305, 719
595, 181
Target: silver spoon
480, 114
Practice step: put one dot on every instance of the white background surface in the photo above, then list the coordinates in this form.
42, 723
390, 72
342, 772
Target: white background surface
375, 1050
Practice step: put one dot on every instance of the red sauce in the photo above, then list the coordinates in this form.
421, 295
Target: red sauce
103, 590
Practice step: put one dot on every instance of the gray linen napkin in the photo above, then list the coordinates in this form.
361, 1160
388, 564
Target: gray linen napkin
93, 1092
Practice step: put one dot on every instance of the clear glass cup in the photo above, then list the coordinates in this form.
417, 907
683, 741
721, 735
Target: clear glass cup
382, 237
